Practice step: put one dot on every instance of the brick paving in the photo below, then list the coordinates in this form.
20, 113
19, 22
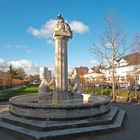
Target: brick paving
129, 131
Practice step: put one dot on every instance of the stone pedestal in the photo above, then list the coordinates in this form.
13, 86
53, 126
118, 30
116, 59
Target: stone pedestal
61, 66
62, 33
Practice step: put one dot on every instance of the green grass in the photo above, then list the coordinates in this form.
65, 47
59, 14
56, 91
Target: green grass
34, 89
107, 92
21, 91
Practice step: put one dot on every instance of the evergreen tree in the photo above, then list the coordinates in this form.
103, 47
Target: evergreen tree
12, 72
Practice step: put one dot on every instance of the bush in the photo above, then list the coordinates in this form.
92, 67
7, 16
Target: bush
106, 92
91, 90
123, 94
97, 91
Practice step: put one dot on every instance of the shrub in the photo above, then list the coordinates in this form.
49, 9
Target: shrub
97, 91
106, 92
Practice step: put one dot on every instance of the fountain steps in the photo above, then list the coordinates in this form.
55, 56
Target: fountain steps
37, 129
53, 125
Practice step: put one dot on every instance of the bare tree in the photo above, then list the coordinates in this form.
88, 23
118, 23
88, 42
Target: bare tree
136, 43
20, 73
111, 47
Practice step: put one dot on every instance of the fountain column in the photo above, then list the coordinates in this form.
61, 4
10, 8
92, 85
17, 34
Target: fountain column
62, 33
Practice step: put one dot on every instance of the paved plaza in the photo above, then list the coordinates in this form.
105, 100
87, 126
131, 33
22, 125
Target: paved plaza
130, 130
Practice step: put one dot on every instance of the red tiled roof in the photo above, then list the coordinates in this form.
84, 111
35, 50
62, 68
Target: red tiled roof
133, 59
81, 70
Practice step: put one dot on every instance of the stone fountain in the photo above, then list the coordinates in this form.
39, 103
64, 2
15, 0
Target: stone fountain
59, 113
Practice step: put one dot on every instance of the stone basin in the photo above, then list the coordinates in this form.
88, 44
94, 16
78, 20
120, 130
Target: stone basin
74, 108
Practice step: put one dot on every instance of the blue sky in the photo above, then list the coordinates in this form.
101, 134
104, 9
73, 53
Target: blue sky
18, 42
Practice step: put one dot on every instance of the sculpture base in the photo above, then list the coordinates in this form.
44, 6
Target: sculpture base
47, 129
63, 109
30, 119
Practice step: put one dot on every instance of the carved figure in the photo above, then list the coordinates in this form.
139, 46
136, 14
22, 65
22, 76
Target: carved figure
44, 86
61, 25
77, 88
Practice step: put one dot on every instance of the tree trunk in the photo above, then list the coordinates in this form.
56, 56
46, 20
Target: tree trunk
113, 74
113, 85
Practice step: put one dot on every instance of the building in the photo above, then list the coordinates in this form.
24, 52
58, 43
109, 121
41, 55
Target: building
128, 68
127, 72
45, 73
79, 71
95, 75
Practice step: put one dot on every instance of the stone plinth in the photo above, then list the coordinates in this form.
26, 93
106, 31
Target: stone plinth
73, 108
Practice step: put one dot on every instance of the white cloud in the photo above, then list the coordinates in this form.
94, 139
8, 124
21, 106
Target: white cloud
46, 30
27, 65
3, 65
95, 62
2, 61
78, 27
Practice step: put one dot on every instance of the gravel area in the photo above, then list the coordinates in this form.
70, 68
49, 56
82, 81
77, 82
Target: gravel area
129, 131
